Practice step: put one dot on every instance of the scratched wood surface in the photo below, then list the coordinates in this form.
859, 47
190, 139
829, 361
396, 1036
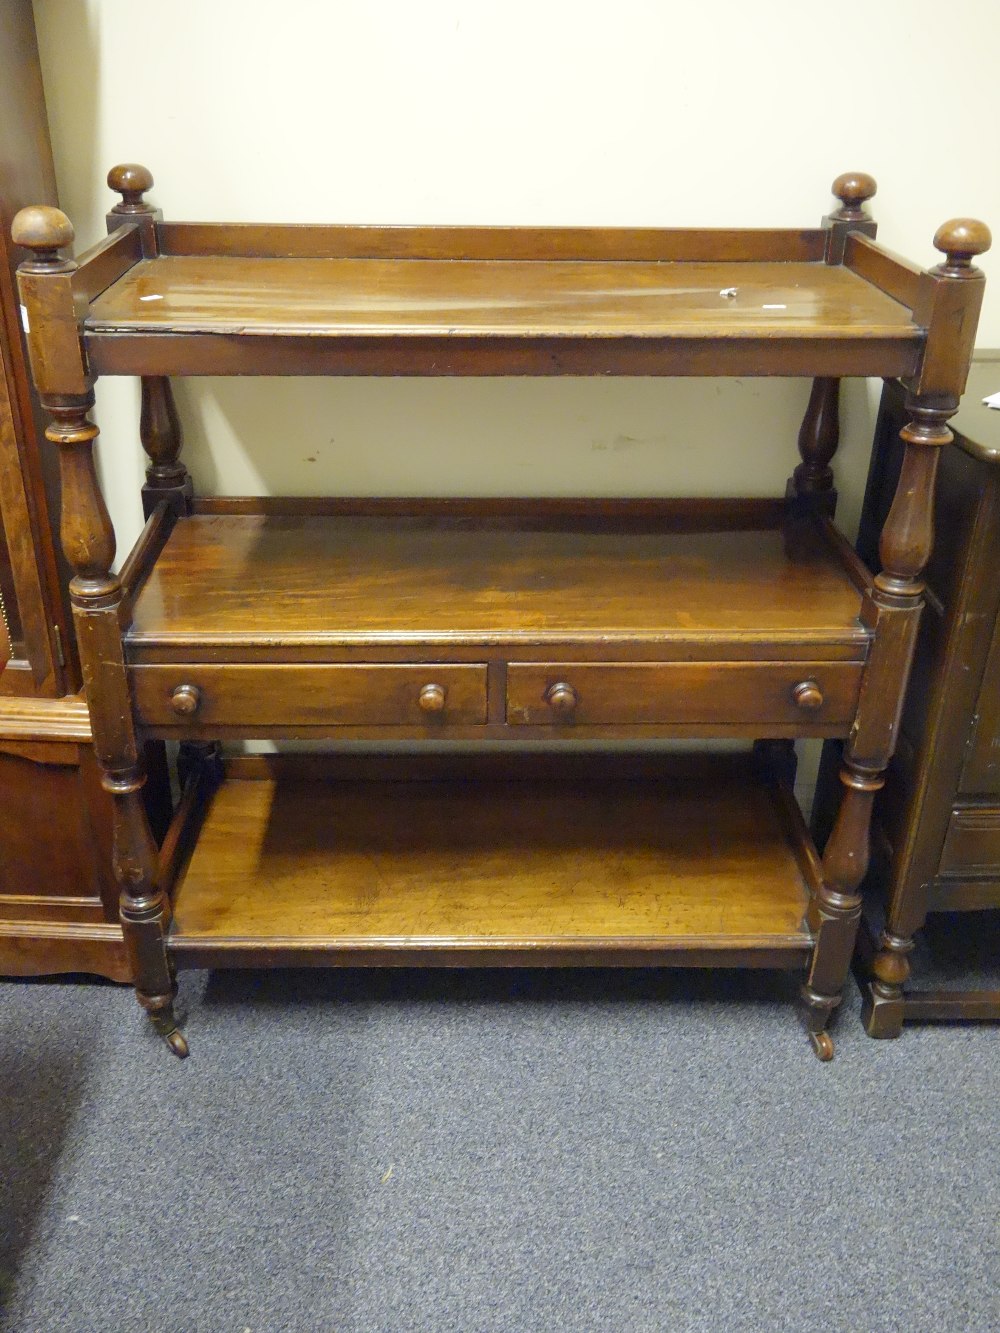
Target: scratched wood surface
497, 298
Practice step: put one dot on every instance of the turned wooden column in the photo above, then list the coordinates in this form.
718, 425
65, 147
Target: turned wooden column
819, 436
948, 307
160, 431
893, 612
952, 304
812, 481
88, 540
159, 425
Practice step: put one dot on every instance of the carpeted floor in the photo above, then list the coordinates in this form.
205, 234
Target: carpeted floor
491, 1151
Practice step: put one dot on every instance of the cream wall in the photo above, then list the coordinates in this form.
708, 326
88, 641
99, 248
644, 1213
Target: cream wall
638, 113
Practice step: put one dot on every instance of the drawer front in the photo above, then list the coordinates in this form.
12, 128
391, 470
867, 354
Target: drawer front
819, 696
208, 695
972, 843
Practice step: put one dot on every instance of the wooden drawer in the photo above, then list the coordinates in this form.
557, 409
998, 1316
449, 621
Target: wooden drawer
821, 696
972, 843
210, 695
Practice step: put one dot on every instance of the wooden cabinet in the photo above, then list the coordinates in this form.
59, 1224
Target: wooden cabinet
35, 636
58, 896
565, 621
938, 818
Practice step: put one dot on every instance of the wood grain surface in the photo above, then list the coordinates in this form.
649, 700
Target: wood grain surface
528, 868
245, 696
269, 240
246, 581
497, 298
685, 692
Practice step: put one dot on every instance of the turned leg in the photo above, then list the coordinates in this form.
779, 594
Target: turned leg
96, 596
65, 386
160, 431
892, 612
812, 481
904, 548
835, 910
145, 909
159, 426
882, 1011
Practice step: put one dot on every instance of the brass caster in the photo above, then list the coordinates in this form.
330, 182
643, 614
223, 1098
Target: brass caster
177, 1043
822, 1044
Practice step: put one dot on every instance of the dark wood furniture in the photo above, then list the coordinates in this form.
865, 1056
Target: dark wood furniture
565, 621
938, 817
58, 896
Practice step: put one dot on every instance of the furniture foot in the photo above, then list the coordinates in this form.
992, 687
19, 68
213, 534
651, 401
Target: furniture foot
160, 1009
178, 1044
882, 1012
816, 1012
835, 909
822, 1044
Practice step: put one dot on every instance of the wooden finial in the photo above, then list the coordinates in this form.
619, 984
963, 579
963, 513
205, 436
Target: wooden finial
131, 181
960, 240
853, 189
43, 230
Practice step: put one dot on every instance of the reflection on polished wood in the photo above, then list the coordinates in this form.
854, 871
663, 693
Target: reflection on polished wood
243, 580
493, 298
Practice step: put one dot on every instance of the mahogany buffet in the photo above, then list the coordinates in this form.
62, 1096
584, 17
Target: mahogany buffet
569, 621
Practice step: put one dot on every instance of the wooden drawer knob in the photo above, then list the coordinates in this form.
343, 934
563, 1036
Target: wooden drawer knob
186, 700
808, 695
431, 698
561, 698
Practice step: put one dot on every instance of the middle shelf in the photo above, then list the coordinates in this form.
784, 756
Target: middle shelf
461, 618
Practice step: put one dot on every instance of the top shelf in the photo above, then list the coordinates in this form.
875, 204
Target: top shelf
242, 299
163, 298
414, 298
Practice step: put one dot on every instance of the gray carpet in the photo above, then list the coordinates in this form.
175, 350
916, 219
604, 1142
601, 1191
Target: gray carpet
487, 1151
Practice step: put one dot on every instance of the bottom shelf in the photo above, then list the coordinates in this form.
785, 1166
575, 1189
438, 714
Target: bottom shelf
582, 860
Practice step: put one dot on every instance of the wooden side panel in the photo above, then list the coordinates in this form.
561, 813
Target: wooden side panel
893, 275
981, 770
33, 949
963, 598
972, 844
33, 587
148, 352
586, 244
46, 838
58, 895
